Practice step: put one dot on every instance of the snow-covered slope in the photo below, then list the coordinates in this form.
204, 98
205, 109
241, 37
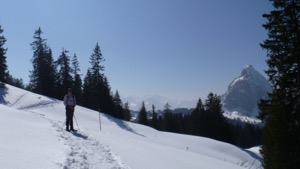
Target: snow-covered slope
245, 91
32, 136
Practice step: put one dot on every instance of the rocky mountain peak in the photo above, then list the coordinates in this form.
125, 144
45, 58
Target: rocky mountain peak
245, 91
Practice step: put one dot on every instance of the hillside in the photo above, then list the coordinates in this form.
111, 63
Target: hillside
32, 136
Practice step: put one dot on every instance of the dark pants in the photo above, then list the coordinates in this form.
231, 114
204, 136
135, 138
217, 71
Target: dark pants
69, 115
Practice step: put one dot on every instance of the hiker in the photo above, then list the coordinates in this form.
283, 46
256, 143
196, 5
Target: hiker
70, 103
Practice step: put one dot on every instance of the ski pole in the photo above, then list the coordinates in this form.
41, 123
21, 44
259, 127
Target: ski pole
76, 123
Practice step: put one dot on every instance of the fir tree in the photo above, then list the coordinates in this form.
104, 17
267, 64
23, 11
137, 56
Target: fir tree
142, 117
94, 82
42, 77
77, 84
281, 133
118, 106
107, 100
87, 91
154, 120
168, 124
15, 82
3, 66
127, 114
64, 74
96, 90
197, 121
217, 126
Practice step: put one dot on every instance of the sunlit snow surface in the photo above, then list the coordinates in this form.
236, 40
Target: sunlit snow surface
33, 136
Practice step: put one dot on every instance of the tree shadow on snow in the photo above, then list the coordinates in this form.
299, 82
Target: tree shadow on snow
252, 154
3, 92
121, 124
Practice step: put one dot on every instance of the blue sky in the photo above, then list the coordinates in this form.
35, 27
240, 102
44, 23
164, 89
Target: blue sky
180, 49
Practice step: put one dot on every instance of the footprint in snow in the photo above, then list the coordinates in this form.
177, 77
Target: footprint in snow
85, 152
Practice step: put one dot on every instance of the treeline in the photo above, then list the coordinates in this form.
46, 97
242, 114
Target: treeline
52, 78
205, 120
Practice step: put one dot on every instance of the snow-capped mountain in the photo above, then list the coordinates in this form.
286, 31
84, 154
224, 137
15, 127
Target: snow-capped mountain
159, 102
245, 91
33, 136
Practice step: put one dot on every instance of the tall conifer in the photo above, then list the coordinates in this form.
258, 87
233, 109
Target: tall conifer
77, 84
281, 133
42, 77
3, 66
64, 74
142, 117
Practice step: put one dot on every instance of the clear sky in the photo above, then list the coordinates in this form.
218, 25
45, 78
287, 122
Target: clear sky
180, 49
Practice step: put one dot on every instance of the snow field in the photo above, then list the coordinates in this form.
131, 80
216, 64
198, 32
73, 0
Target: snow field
33, 136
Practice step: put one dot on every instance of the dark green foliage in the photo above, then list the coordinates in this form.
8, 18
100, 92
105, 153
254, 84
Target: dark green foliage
119, 110
64, 75
96, 90
107, 103
15, 82
154, 120
93, 87
43, 75
198, 119
281, 133
245, 135
3, 66
77, 84
127, 114
142, 117
87, 91
216, 124
168, 124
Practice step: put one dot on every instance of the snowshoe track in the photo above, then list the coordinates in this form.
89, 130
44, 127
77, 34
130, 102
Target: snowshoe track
84, 152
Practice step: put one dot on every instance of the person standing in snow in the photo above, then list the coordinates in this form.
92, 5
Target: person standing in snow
70, 103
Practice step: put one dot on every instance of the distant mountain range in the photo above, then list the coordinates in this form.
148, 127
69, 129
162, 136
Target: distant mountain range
159, 102
239, 101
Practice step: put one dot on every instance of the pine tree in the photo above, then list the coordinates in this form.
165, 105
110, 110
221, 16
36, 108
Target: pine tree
197, 121
96, 90
15, 82
168, 124
142, 117
94, 82
154, 120
127, 114
3, 66
118, 106
87, 91
107, 100
42, 77
281, 133
64, 77
77, 84
217, 127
